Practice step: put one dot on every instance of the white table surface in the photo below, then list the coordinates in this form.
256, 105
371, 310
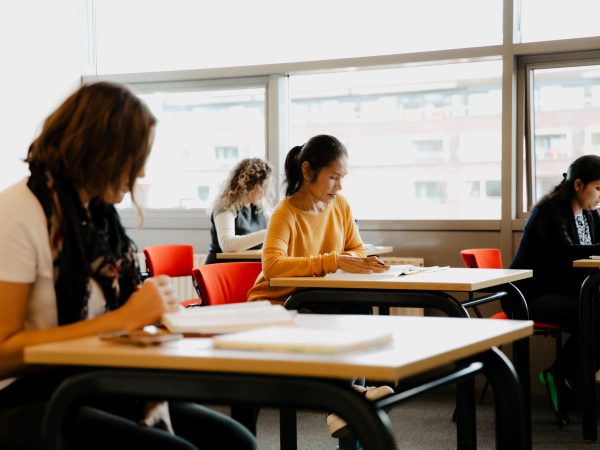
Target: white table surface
419, 344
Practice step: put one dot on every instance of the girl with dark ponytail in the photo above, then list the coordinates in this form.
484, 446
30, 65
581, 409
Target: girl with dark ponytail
562, 227
312, 232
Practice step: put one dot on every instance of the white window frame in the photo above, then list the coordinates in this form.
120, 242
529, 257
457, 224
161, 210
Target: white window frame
525, 181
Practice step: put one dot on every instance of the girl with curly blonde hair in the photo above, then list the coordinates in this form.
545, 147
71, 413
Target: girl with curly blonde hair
238, 217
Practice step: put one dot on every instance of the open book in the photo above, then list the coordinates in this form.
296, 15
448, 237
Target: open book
227, 318
303, 339
394, 271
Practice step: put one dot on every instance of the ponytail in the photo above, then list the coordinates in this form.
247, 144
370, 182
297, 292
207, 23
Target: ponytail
293, 171
585, 168
319, 151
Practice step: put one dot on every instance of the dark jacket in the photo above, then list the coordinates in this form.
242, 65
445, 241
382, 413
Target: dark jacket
248, 220
549, 245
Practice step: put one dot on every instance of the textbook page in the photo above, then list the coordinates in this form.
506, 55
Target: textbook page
227, 318
394, 271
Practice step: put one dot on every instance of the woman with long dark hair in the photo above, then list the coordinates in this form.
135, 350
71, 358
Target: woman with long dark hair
69, 270
562, 227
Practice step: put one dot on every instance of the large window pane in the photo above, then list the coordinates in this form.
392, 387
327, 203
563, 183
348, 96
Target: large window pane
566, 124
424, 142
199, 137
558, 19
152, 35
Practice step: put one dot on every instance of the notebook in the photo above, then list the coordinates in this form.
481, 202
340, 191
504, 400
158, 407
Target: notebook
227, 318
303, 340
394, 271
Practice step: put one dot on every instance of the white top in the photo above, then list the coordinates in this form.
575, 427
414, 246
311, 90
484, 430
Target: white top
25, 257
228, 240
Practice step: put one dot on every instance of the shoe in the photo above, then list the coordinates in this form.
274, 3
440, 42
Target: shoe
550, 380
338, 426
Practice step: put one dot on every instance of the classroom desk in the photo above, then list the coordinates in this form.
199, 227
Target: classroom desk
257, 254
191, 369
428, 290
588, 297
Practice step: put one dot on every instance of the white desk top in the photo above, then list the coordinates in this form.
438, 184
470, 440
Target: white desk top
452, 279
587, 263
257, 254
420, 344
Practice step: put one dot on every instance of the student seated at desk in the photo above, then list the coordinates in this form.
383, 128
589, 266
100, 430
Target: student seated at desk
312, 232
562, 227
239, 218
69, 270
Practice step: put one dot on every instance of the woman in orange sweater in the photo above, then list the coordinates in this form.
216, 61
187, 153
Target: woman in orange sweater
312, 232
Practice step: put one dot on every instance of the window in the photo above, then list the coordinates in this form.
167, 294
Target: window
201, 134
547, 20
565, 113
141, 36
473, 189
430, 191
492, 189
429, 150
419, 133
227, 154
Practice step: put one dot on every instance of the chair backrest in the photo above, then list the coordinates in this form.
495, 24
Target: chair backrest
482, 258
173, 260
227, 282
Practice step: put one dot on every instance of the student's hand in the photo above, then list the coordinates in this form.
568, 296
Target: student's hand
147, 305
355, 264
156, 415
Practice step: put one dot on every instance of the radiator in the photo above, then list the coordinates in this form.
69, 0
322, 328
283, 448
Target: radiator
183, 286
398, 260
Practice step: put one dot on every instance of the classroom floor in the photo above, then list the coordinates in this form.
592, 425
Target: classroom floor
426, 423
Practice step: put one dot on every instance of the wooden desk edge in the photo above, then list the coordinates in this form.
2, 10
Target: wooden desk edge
320, 282
258, 364
594, 263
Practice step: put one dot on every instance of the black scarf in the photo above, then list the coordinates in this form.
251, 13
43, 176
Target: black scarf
84, 243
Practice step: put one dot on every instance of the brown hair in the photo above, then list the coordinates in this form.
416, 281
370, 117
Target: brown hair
96, 133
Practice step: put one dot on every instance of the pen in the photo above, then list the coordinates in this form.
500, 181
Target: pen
379, 260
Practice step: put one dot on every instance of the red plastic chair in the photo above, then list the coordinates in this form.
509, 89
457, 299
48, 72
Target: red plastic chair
228, 282
174, 260
491, 258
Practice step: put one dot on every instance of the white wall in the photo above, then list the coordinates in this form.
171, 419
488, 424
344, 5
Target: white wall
41, 48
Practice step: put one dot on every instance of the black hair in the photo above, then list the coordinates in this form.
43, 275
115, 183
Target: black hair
319, 151
585, 168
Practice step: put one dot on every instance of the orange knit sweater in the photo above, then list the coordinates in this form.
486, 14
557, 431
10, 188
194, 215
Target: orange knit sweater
302, 244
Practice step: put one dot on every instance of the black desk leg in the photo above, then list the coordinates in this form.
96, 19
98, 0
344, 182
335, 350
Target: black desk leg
512, 432
466, 426
288, 437
587, 348
372, 426
519, 311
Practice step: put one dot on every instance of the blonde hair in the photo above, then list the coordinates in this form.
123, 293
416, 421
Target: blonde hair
243, 178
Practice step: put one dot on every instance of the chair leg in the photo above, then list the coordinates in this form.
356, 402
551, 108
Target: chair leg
484, 391
563, 419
